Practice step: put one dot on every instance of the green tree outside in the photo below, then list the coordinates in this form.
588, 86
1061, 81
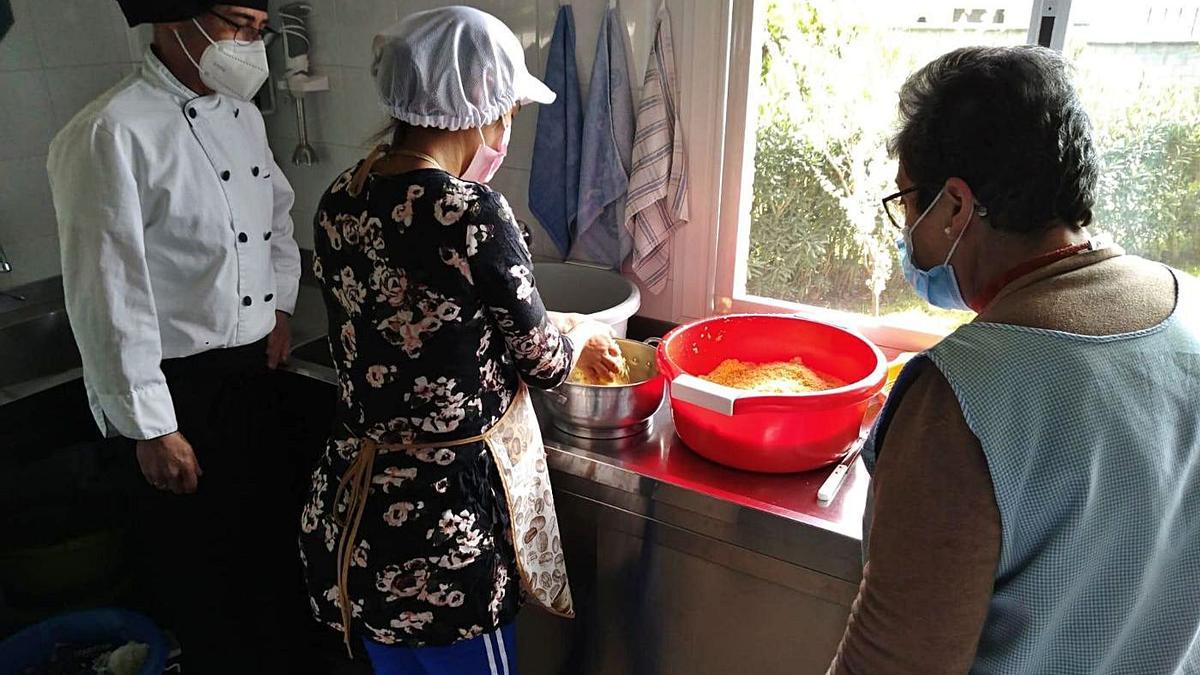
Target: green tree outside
826, 106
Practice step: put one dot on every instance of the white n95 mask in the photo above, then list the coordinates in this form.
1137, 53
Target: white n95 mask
229, 67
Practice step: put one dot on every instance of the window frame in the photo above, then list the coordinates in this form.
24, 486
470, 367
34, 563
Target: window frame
1048, 24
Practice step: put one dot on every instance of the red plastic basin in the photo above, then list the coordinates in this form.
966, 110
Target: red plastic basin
771, 433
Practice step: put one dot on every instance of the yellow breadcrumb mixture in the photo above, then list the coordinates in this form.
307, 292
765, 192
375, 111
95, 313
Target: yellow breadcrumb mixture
616, 379
776, 377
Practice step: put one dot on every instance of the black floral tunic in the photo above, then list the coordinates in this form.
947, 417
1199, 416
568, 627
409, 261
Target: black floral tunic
434, 320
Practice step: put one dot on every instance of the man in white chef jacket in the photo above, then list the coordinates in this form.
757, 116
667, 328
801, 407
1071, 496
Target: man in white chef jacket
180, 272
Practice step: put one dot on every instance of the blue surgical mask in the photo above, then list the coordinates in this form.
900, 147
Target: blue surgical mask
937, 285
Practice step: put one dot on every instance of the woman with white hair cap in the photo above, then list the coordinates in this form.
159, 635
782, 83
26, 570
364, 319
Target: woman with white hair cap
430, 514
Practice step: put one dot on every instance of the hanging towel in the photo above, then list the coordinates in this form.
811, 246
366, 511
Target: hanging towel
600, 234
658, 190
554, 177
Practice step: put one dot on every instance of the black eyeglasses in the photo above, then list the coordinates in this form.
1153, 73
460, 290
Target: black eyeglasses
897, 212
246, 33
893, 206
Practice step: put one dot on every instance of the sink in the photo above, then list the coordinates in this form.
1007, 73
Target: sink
10, 303
38, 350
43, 346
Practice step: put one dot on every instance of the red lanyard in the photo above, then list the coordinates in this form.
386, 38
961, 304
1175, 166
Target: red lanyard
993, 289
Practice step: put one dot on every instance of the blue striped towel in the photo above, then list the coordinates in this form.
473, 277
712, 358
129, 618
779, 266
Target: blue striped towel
658, 189
600, 235
554, 176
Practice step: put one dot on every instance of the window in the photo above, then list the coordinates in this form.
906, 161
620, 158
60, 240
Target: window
821, 78
1138, 73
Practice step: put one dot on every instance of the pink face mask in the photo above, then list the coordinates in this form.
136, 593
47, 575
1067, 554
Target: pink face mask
487, 160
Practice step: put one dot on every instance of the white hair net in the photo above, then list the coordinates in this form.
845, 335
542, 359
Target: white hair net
453, 68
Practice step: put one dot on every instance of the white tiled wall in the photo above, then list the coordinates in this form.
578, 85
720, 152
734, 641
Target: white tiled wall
58, 56
343, 121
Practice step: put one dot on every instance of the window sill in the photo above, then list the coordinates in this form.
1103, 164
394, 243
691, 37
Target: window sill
892, 337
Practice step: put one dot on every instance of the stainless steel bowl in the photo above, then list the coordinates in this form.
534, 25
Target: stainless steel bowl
610, 411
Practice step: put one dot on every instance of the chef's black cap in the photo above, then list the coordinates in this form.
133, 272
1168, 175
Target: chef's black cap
166, 11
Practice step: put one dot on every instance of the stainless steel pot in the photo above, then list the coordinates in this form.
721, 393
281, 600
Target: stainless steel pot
610, 411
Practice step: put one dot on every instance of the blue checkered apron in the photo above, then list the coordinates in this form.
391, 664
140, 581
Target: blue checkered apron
1093, 445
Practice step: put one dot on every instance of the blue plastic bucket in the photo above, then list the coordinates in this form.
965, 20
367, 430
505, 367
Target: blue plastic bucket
34, 646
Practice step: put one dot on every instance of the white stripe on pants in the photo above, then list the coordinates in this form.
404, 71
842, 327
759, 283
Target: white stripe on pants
487, 644
503, 650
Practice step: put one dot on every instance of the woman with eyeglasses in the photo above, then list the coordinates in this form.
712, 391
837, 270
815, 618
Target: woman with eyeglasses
1036, 474
431, 519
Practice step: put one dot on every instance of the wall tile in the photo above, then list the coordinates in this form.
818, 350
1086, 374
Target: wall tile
26, 114
283, 122
307, 181
358, 21
406, 7
32, 259
323, 33
331, 159
19, 48
519, 15
589, 14
74, 33
304, 229
26, 211
73, 88
588, 18
310, 182
542, 245
520, 146
139, 38
522, 16
514, 185
53, 62
547, 14
322, 120
348, 114
639, 16
32, 104
344, 117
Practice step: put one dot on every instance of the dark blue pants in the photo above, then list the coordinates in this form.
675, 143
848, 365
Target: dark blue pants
489, 654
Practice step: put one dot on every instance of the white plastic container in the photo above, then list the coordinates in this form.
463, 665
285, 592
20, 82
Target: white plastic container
599, 293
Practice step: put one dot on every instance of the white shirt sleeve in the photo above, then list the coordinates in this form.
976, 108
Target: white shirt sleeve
107, 282
285, 254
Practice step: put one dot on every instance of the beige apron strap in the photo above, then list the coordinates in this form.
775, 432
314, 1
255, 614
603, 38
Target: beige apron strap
360, 177
356, 480
393, 447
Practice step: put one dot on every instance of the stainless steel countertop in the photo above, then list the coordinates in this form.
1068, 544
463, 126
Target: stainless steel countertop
651, 474
658, 454
656, 476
